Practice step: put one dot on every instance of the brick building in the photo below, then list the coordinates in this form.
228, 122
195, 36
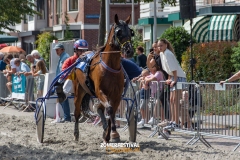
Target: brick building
83, 20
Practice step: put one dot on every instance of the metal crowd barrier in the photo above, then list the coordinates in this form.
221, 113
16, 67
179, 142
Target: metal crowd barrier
27, 102
157, 105
220, 110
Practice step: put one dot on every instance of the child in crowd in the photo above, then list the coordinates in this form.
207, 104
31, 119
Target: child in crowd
40, 70
8, 67
156, 75
184, 110
144, 94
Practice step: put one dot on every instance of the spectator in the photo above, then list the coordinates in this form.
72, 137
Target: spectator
184, 110
154, 51
23, 67
2, 63
156, 75
128, 57
164, 94
62, 57
144, 95
141, 58
8, 68
176, 74
39, 72
10, 61
132, 69
32, 61
36, 55
22, 58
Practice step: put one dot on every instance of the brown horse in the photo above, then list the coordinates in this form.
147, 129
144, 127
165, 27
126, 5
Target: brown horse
106, 75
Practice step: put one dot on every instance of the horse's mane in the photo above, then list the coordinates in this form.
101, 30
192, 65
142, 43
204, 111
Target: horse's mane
101, 48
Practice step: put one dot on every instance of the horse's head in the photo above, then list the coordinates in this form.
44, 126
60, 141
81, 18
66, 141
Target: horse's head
121, 36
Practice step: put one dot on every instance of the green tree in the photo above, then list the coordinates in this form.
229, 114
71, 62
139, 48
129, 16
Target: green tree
137, 40
43, 45
179, 38
13, 12
213, 61
68, 35
235, 57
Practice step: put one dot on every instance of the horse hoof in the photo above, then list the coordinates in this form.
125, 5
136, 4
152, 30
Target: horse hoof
105, 141
116, 140
114, 134
76, 136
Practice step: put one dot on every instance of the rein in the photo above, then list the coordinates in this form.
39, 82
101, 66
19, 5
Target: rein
106, 66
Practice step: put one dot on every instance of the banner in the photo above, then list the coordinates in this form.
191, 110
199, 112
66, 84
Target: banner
18, 86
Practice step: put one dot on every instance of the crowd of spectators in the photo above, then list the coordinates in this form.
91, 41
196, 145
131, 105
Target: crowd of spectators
161, 65
19, 64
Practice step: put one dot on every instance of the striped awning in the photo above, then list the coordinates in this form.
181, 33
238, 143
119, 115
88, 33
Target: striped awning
223, 28
199, 28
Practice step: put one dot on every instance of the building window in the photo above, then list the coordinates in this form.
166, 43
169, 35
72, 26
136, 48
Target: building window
25, 19
41, 9
59, 34
73, 5
30, 17
119, 1
76, 33
59, 11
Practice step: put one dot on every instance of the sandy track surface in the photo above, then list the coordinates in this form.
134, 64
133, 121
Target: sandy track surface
18, 141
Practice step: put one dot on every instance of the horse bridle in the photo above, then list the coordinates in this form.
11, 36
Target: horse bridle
115, 38
121, 47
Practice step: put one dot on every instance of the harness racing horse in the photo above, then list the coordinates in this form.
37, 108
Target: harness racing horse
107, 78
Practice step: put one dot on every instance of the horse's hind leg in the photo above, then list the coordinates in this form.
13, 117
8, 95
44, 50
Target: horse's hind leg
79, 94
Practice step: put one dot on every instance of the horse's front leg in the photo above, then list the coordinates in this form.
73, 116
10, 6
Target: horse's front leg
115, 135
111, 123
106, 132
79, 94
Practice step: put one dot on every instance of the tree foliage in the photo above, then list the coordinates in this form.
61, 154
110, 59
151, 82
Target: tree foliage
12, 12
235, 57
179, 38
43, 45
213, 61
137, 40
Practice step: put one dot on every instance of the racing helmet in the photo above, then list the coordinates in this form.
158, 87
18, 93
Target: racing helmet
80, 44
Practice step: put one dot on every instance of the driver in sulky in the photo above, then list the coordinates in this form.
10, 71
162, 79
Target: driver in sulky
80, 46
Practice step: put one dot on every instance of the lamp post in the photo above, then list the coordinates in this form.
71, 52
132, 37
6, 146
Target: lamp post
154, 21
191, 55
107, 17
132, 13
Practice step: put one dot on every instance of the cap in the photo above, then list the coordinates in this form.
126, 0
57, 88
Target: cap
59, 45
